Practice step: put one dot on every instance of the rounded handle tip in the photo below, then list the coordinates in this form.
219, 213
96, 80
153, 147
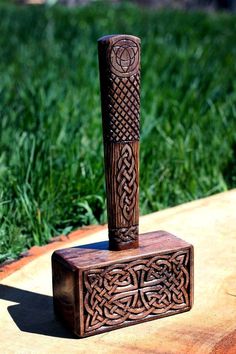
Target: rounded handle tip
111, 38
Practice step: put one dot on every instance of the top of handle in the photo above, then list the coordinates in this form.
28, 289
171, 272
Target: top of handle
122, 53
119, 61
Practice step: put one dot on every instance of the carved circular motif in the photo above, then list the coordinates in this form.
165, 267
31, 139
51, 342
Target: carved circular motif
123, 57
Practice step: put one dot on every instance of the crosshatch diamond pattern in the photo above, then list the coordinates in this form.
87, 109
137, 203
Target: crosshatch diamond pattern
123, 102
148, 287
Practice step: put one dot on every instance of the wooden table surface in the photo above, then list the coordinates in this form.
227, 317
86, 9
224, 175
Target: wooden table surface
27, 323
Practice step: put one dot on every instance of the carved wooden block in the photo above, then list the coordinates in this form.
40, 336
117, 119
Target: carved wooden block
97, 290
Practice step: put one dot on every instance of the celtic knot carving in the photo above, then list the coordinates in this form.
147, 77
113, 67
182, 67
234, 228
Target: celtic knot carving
124, 234
123, 57
121, 94
126, 179
136, 290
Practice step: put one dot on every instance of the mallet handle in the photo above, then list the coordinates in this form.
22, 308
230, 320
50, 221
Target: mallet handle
119, 64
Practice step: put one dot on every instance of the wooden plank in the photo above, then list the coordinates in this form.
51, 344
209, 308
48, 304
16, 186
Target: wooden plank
28, 325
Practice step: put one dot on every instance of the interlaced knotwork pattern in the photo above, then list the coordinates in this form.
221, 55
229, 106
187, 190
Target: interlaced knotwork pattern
136, 290
123, 57
125, 234
121, 91
126, 180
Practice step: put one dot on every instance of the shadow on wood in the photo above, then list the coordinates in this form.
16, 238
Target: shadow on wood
33, 313
97, 290
102, 245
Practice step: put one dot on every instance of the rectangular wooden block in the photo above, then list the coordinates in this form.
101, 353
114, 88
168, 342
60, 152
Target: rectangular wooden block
97, 290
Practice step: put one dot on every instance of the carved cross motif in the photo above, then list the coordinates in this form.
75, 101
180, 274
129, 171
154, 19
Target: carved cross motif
136, 290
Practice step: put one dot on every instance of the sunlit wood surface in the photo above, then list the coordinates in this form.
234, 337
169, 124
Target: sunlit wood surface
28, 325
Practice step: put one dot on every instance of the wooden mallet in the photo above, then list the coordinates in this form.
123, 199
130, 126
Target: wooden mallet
133, 278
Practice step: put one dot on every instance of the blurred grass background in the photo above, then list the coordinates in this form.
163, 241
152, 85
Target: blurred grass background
51, 154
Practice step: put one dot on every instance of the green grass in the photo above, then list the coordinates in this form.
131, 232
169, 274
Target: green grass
51, 156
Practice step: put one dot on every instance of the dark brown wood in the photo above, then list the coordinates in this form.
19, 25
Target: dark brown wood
95, 287
97, 290
119, 63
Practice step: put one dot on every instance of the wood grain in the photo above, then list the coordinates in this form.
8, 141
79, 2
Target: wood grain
118, 289
28, 322
122, 180
119, 64
106, 289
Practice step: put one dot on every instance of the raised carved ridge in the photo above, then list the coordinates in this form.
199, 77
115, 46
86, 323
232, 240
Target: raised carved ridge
126, 181
124, 234
135, 290
123, 57
123, 105
119, 63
